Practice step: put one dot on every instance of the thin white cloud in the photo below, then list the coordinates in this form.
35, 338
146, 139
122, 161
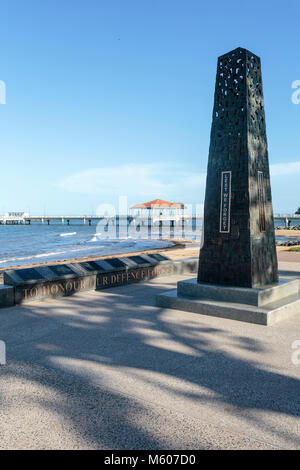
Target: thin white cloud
285, 169
140, 181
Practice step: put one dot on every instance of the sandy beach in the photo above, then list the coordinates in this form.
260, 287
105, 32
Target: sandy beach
287, 233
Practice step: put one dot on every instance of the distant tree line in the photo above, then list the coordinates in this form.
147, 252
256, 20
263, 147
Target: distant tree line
298, 211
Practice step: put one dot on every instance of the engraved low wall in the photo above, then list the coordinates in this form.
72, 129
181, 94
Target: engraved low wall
32, 284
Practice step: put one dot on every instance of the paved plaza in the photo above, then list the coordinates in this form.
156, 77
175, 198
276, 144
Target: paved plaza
109, 370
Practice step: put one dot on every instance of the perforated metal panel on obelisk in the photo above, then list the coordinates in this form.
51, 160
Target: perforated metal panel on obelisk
239, 242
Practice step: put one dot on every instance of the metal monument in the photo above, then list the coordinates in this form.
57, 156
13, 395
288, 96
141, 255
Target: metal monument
239, 241
237, 275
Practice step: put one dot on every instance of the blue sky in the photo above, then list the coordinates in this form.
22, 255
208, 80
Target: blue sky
108, 98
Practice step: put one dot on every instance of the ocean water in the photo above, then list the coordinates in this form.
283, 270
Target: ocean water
32, 244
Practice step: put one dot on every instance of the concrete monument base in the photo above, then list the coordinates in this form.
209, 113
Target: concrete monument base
264, 306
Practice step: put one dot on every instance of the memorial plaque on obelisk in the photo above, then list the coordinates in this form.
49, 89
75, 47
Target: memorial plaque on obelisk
239, 241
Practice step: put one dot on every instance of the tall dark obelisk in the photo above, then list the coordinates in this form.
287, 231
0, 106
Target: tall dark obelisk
237, 277
239, 241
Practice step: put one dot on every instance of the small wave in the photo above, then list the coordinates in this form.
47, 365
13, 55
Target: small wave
69, 234
95, 238
44, 255
106, 248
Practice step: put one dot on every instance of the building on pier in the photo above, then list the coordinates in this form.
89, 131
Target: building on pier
158, 211
14, 218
